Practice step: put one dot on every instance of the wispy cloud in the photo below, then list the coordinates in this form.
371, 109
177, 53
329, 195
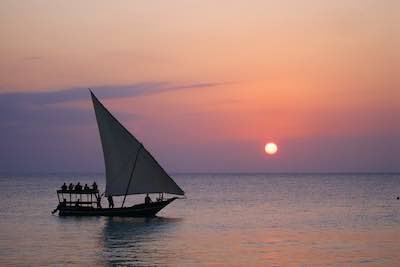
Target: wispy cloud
104, 91
40, 108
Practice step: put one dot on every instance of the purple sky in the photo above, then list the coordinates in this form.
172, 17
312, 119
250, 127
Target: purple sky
46, 132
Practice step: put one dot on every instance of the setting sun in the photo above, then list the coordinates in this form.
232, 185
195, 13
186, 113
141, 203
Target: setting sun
271, 148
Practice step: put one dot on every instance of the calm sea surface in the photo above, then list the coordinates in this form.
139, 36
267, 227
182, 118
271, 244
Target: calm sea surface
226, 220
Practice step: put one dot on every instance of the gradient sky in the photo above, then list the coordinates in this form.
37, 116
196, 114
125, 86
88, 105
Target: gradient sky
204, 84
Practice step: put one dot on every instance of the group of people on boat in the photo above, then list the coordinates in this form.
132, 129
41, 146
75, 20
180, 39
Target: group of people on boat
78, 187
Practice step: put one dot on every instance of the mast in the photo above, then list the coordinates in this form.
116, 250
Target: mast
130, 178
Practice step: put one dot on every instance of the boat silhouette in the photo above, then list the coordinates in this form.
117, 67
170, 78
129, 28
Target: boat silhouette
130, 169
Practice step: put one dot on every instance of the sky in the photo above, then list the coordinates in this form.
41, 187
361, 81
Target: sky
203, 84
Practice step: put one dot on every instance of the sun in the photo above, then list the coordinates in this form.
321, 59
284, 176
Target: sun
271, 148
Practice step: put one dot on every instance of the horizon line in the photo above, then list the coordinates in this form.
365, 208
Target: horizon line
208, 173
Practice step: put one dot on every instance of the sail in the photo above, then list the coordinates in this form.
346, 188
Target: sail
130, 168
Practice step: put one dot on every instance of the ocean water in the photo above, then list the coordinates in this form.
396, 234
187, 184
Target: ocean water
226, 220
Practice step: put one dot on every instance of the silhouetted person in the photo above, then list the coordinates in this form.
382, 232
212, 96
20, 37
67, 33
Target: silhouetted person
71, 186
110, 202
77, 203
94, 185
60, 205
86, 187
147, 199
78, 187
64, 187
98, 200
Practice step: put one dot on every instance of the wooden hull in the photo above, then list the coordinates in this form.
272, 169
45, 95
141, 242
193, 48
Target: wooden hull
140, 210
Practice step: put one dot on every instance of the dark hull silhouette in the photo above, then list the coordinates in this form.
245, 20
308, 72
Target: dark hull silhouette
139, 210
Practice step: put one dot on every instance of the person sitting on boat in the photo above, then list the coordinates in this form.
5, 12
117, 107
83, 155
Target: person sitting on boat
94, 185
77, 203
60, 205
78, 187
147, 199
64, 187
110, 202
71, 186
98, 201
86, 187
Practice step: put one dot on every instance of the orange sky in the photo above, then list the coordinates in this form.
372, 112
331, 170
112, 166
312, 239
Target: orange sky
300, 73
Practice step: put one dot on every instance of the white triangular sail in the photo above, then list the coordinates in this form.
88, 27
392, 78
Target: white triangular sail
130, 168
